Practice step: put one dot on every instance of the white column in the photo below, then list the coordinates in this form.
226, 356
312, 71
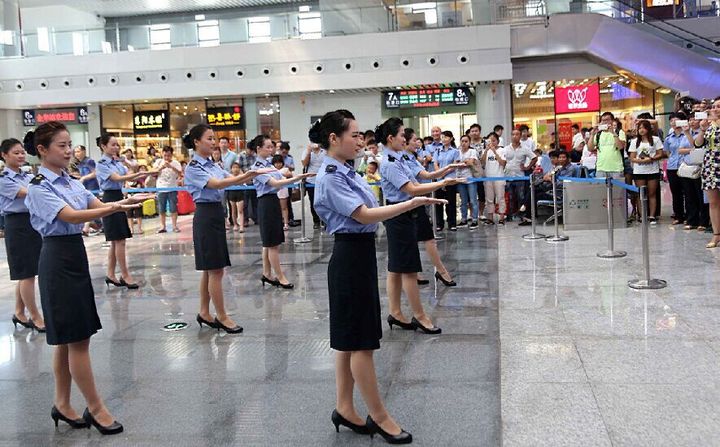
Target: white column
94, 129
493, 106
251, 121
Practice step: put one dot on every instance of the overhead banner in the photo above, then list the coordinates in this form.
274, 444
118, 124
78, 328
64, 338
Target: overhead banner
226, 118
577, 99
146, 121
77, 115
427, 97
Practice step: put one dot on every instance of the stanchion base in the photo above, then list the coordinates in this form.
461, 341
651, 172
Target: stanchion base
557, 238
534, 236
439, 238
302, 240
641, 284
611, 254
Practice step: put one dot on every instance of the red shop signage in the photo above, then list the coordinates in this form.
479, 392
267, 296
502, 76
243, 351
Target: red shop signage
579, 98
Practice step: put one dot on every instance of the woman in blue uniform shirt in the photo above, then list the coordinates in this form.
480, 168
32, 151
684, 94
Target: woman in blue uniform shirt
347, 204
111, 174
59, 206
205, 181
399, 185
423, 224
269, 212
446, 155
22, 242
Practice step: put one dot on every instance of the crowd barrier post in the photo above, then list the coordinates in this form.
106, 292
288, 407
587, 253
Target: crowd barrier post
303, 239
647, 282
533, 234
610, 252
557, 237
438, 236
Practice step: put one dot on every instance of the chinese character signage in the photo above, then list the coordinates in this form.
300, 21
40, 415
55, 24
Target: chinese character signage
226, 118
155, 121
77, 115
427, 97
578, 98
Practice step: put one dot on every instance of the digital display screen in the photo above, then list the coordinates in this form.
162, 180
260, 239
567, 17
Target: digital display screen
427, 97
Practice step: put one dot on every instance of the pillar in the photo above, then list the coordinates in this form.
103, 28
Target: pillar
494, 105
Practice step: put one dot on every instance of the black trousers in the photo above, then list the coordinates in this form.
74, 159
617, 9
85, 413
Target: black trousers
311, 195
697, 211
250, 205
291, 215
678, 195
448, 193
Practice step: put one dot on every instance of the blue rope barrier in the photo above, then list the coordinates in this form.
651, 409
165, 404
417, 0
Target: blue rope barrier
583, 180
625, 185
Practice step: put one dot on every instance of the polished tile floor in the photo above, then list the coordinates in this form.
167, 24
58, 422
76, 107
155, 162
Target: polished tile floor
274, 384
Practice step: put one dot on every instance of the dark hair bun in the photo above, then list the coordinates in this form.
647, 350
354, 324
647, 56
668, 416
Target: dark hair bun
257, 142
335, 122
29, 143
314, 133
389, 128
97, 141
188, 141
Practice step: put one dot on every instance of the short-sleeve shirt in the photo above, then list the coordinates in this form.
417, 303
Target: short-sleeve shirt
339, 191
289, 162
10, 184
492, 165
106, 167
609, 158
262, 182
647, 150
197, 175
395, 174
48, 193
517, 158
168, 178
673, 143
470, 154
446, 156
316, 160
228, 158
85, 167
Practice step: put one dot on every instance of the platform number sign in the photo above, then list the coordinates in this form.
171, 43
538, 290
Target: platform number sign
462, 97
392, 100
433, 96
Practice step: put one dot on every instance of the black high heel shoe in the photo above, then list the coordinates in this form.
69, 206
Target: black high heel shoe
111, 429
432, 331
16, 321
287, 286
394, 321
438, 277
36, 327
402, 438
109, 281
338, 420
74, 423
201, 321
423, 282
229, 330
273, 282
129, 285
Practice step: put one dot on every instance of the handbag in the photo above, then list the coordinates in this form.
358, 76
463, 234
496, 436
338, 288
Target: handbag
695, 157
688, 171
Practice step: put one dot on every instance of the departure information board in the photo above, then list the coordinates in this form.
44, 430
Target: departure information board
427, 97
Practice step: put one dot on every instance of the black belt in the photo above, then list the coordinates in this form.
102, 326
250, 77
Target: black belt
354, 236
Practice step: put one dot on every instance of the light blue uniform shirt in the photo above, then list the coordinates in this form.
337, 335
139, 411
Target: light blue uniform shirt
197, 174
262, 182
10, 184
289, 161
106, 167
445, 157
433, 148
48, 193
394, 174
415, 167
672, 144
339, 191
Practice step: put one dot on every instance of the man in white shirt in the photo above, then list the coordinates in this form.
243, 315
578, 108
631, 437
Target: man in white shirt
521, 158
578, 140
312, 159
170, 172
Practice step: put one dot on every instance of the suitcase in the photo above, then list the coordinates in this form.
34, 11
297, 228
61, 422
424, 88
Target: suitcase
149, 208
185, 203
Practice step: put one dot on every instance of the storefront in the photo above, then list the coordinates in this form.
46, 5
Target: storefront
550, 108
74, 118
421, 108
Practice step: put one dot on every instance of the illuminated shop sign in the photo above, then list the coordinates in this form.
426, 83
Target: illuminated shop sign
78, 115
150, 120
654, 3
228, 118
577, 98
427, 97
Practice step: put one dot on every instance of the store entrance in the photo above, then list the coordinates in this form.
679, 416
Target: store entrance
457, 123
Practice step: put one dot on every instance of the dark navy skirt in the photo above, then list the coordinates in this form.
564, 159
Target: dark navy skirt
22, 244
209, 239
269, 215
66, 292
403, 252
355, 322
423, 225
115, 226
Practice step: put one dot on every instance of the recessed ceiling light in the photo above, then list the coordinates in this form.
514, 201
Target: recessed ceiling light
332, 91
124, 110
267, 94
88, 103
145, 100
199, 17
305, 8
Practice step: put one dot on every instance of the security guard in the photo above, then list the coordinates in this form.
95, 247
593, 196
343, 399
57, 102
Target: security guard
111, 174
22, 242
399, 185
270, 212
346, 202
59, 205
205, 181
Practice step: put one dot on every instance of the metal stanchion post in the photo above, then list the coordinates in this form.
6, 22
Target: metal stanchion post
438, 237
533, 234
302, 239
647, 282
610, 252
556, 237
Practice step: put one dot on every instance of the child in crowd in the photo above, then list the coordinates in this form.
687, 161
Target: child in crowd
373, 176
283, 193
235, 197
135, 215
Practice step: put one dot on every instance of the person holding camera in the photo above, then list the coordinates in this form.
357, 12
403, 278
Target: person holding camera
608, 141
645, 153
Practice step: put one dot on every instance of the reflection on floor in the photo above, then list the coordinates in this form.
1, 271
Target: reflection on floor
273, 385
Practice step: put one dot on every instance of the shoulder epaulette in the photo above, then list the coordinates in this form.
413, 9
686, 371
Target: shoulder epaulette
2, 174
103, 161
259, 164
193, 163
406, 157
391, 158
37, 179
330, 168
